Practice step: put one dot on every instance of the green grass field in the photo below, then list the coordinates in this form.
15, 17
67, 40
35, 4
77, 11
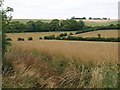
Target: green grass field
87, 22
100, 22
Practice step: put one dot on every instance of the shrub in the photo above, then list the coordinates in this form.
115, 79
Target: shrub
71, 33
30, 38
8, 39
50, 37
99, 35
78, 32
58, 38
63, 34
40, 37
20, 39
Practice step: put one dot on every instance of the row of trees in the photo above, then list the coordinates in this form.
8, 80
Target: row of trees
38, 26
56, 25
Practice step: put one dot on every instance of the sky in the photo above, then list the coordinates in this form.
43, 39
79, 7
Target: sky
62, 9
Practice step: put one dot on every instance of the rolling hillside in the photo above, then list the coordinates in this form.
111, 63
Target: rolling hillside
104, 33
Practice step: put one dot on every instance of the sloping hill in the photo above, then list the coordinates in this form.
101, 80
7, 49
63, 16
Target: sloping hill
104, 33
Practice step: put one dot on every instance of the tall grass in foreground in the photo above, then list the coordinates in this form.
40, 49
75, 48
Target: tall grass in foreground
32, 69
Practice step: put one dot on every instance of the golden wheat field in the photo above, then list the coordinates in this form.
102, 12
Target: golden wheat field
60, 63
36, 35
87, 52
104, 33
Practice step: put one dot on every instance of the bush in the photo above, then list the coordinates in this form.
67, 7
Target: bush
40, 37
71, 33
20, 39
58, 38
99, 35
78, 32
50, 37
63, 34
8, 39
30, 38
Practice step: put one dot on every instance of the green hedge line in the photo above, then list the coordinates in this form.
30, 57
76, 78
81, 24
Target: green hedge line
53, 37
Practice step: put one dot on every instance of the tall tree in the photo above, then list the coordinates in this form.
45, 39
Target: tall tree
54, 25
6, 18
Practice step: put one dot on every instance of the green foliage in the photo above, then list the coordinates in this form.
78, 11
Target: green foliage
8, 39
30, 38
63, 34
16, 26
77, 38
6, 18
99, 35
49, 37
20, 39
40, 37
54, 25
71, 33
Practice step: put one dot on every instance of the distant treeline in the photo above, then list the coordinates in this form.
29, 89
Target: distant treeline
55, 25
90, 18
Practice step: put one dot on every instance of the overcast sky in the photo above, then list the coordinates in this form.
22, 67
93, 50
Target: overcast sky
62, 9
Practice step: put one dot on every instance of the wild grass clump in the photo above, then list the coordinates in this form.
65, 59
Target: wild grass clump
41, 69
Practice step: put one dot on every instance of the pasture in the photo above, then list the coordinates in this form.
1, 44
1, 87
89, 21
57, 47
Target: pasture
100, 22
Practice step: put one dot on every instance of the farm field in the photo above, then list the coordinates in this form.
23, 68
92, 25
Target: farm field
100, 22
84, 51
60, 49
87, 22
60, 63
104, 33
35, 35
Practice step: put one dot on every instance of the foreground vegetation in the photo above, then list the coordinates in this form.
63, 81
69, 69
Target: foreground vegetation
42, 69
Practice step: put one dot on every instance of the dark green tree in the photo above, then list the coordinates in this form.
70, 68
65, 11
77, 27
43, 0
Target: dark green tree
38, 26
54, 25
30, 26
16, 26
5, 24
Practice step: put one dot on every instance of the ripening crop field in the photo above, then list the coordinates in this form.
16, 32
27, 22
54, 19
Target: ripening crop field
60, 63
104, 33
94, 52
36, 35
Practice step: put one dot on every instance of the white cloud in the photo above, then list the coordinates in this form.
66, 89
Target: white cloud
63, 8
